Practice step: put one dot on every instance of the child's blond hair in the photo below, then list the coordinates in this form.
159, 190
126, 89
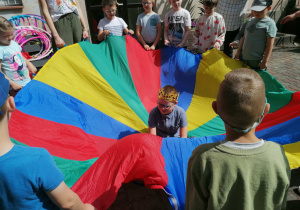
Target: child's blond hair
5, 25
241, 98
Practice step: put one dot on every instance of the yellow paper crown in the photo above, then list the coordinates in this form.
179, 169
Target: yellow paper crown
172, 96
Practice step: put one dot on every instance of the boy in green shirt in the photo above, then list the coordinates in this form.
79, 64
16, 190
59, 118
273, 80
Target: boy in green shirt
242, 171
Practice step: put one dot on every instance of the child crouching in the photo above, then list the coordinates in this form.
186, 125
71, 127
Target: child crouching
168, 119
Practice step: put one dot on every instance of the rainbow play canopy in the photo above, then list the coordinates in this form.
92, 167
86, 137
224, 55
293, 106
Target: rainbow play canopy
89, 108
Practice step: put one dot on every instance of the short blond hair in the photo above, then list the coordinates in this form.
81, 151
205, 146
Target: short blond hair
5, 25
241, 98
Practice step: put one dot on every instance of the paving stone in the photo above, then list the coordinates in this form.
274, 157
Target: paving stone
284, 65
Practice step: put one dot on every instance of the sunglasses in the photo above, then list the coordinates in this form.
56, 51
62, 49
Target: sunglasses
111, 10
164, 106
146, 3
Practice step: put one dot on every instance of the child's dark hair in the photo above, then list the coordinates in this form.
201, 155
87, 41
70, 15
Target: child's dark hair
108, 3
3, 110
210, 3
5, 25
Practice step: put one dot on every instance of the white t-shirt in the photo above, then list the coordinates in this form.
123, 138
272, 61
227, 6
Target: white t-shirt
177, 20
13, 65
115, 26
61, 7
148, 23
236, 145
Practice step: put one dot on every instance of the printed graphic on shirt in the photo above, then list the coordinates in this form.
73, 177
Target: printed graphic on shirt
209, 31
153, 21
66, 6
176, 29
18, 66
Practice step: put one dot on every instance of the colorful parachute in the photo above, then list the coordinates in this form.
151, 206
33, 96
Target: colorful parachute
89, 108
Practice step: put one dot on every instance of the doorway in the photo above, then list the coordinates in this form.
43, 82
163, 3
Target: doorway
127, 9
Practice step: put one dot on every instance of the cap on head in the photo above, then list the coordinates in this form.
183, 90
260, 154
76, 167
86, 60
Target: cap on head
260, 5
4, 89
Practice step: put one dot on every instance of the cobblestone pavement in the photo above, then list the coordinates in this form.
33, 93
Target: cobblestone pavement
284, 65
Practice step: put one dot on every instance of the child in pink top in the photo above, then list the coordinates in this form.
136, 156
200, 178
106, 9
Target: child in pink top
210, 28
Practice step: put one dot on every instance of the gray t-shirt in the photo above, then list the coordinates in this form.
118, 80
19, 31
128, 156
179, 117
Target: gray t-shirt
256, 33
148, 23
168, 125
177, 20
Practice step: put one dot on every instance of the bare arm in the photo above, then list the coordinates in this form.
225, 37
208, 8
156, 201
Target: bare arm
14, 85
166, 35
85, 33
102, 34
128, 31
58, 41
30, 66
158, 35
290, 17
268, 51
239, 50
125, 30
239, 36
140, 38
196, 34
152, 130
186, 36
183, 132
65, 198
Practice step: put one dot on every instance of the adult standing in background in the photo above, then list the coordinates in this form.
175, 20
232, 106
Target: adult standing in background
232, 12
290, 17
65, 21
